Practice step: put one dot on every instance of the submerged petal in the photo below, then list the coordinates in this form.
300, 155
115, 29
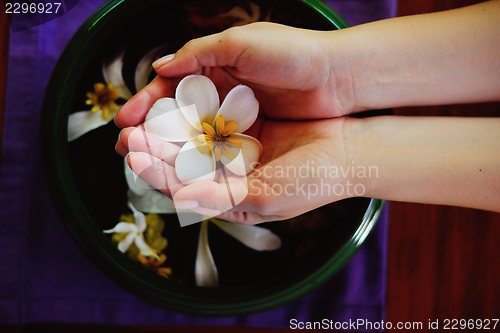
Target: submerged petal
112, 72
140, 219
126, 242
122, 227
205, 271
240, 105
250, 151
82, 122
200, 91
152, 201
143, 247
144, 68
257, 238
167, 121
191, 165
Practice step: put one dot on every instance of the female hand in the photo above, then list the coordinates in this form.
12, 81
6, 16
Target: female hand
289, 70
293, 176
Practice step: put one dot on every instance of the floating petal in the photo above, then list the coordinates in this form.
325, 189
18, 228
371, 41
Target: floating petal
122, 227
240, 105
143, 247
82, 122
200, 91
257, 238
152, 202
140, 219
144, 68
113, 73
126, 242
205, 271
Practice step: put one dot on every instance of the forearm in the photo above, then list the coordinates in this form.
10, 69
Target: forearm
437, 160
439, 58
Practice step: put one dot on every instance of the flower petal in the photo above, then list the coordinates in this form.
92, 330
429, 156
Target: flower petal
112, 72
122, 227
167, 121
251, 150
200, 91
140, 219
82, 122
257, 238
241, 106
126, 242
205, 271
152, 202
144, 68
191, 165
143, 247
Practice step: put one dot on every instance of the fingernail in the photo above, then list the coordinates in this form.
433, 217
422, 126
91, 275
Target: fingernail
127, 158
186, 204
163, 60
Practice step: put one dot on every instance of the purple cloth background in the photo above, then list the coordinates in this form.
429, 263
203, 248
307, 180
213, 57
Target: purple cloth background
46, 278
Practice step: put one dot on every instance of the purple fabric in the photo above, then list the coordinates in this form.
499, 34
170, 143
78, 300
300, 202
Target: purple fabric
46, 278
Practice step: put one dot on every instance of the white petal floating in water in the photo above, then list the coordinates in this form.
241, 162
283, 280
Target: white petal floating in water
205, 271
112, 72
82, 122
144, 68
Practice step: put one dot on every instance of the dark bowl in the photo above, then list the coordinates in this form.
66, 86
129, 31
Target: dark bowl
89, 187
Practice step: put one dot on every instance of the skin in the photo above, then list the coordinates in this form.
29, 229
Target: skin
307, 89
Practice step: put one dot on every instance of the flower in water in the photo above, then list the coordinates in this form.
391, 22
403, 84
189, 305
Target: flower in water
211, 134
103, 99
154, 264
257, 238
105, 95
144, 197
133, 233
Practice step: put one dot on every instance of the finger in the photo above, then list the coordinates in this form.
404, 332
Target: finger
135, 110
135, 139
217, 50
120, 148
155, 172
210, 195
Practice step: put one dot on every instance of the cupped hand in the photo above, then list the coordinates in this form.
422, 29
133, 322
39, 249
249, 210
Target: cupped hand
294, 175
290, 71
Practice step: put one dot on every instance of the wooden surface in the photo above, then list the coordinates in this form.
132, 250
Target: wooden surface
444, 262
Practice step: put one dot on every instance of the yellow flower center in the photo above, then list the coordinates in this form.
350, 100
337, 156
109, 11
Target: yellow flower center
219, 138
103, 98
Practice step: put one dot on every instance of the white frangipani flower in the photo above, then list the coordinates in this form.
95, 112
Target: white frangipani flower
210, 134
257, 238
104, 96
134, 233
